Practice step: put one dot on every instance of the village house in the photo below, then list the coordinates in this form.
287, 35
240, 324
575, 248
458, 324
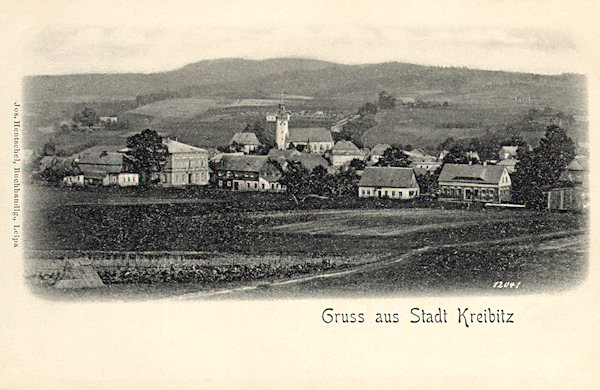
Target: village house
282, 156
248, 141
572, 191
377, 152
388, 182
344, 152
422, 161
508, 152
470, 155
186, 165
247, 173
509, 163
309, 160
108, 119
480, 183
102, 165
314, 139
74, 180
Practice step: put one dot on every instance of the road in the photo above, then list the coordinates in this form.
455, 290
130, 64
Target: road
365, 280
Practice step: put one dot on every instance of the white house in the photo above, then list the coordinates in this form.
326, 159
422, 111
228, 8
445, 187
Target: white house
377, 152
388, 182
102, 165
74, 180
186, 165
344, 152
248, 141
480, 183
508, 152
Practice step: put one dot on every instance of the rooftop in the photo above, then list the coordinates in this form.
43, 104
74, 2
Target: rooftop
180, 147
346, 148
241, 163
486, 174
309, 134
245, 139
379, 149
392, 177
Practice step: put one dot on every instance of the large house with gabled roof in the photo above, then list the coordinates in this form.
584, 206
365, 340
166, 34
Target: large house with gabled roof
102, 165
388, 182
186, 165
475, 183
247, 173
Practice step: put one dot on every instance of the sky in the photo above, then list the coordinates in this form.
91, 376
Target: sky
532, 36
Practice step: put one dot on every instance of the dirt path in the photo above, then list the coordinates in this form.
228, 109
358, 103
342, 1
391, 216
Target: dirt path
386, 262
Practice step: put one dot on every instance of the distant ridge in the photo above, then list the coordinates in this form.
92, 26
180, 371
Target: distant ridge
255, 78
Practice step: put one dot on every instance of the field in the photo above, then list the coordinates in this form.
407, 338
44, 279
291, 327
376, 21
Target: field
252, 239
176, 108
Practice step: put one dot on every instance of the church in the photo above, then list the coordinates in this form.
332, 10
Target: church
313, 139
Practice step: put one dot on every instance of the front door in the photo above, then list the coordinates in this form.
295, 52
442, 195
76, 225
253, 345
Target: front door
235, 185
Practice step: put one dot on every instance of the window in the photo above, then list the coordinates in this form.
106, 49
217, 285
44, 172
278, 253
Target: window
262, 185
411, 193
393, 193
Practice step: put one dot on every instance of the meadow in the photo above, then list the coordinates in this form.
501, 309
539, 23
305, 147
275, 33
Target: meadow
222, 235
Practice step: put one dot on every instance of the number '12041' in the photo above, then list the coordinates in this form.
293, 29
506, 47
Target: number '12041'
501, 284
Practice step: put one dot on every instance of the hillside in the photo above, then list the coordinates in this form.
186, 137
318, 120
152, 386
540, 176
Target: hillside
249, 78
211, 73
206, 102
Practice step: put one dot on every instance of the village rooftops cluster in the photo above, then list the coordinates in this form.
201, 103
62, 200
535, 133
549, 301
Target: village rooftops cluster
314, 147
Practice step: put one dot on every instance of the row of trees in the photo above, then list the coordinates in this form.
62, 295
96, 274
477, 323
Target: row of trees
301, 182
538, 170
486, 148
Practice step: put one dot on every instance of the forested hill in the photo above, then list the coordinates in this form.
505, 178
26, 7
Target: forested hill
252, 78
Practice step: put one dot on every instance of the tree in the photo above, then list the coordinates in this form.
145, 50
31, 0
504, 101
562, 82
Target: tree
265, 136
540, 169
394, 157
296, 179
87, 117
357, 164
147, 153
428, 181
368, 108
49, 148
386, 100
458, 155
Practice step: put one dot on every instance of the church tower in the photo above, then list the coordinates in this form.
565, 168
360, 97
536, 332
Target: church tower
281, 129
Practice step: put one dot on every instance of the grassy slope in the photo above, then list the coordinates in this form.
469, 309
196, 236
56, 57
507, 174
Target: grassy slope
478, 99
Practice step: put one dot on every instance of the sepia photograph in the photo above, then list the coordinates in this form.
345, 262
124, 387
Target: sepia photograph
371, 165
303, 175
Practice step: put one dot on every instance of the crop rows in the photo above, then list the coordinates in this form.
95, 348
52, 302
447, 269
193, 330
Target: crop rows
195, 273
